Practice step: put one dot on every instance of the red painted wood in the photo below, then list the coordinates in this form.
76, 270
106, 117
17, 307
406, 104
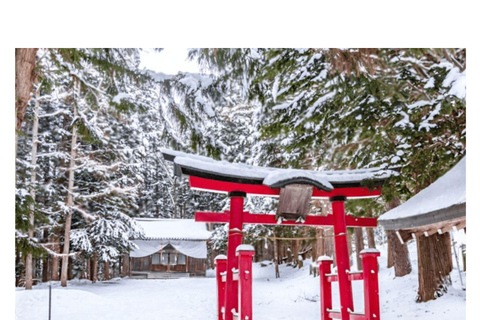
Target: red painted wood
221, 267
351, 277
355, 276
357, 317
256, 189
245, 259
370, 283
234, 240
328, 220
334, 315
324, 268
332, 278
343, 262
360, 222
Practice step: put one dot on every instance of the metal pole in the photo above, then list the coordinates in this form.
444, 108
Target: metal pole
456, 260
49, 300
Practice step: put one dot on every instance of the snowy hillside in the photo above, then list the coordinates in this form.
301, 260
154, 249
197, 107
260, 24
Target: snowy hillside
293, 296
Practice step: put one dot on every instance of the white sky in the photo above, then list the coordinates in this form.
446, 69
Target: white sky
169, 61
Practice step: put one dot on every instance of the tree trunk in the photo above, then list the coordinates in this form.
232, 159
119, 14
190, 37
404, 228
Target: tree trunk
45, 261
295, 245
330, 244
280, 251
94, 267
33, 179
70, 268
24, 78
125, 265
371, 237
106, 270
349, 242
45, 264
399, 252
370, 233
71, 177
89, 269
54, 260
130, 266
275, 257
434, 266
175, 197
359, 246
320, 243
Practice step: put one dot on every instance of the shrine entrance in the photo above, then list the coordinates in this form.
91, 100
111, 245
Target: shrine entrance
295, 189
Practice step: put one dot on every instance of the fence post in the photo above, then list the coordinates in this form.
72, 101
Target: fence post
221, 263
370, 283
245, 254
324, 268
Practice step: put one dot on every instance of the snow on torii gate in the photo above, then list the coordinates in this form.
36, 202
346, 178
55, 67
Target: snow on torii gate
295, 189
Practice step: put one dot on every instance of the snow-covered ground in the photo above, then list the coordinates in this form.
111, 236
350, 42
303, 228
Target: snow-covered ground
293, 296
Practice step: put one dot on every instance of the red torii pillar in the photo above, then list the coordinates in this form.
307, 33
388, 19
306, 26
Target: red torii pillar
341, 253
235, 236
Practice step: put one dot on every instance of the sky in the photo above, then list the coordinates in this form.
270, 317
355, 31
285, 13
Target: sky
169, 61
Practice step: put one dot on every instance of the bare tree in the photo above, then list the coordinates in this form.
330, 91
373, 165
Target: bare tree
71, 171
33, 179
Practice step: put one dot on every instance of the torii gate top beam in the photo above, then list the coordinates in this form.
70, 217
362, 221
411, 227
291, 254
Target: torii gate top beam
221, 176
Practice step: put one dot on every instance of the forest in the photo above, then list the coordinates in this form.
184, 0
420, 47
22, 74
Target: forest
90, 124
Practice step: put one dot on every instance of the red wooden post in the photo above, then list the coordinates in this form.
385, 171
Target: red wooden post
370, 283
341, 253
245, 254
324, 268
221, 262
234, 240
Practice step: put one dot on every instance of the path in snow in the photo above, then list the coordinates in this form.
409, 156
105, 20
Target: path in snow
294, 296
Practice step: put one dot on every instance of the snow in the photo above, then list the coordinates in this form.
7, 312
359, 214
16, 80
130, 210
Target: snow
459, 86
278, 176
173, 229
120, 96
295, 295
448, 190
245, 247
325, 258
369, 250
405, 122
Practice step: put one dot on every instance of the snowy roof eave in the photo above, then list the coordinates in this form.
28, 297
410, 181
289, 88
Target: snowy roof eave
204, 167
443, 200
173, 229
454, 212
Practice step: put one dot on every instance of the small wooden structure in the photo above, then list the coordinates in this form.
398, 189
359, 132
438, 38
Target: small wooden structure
428, 217
295, 188
171, 248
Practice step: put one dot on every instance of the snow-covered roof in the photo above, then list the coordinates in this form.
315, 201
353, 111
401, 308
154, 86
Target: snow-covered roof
445, 199
205, 167
182, 229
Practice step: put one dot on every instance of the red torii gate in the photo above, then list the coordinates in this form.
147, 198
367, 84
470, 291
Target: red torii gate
216, 176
